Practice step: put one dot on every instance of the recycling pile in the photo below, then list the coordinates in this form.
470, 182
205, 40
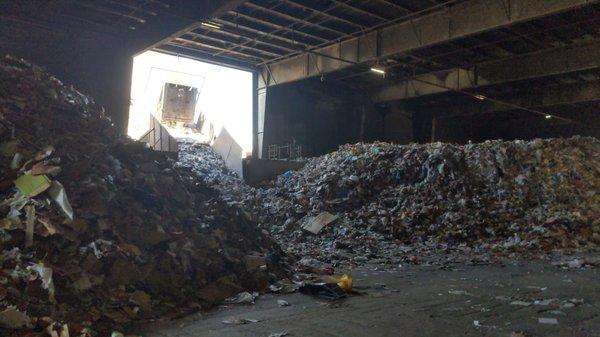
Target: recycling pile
494, 198
207, 164
98, 231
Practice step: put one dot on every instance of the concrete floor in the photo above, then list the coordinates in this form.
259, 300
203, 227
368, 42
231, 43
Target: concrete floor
422, 301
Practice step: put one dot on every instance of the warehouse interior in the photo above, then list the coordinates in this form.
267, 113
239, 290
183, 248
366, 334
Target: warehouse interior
299, 167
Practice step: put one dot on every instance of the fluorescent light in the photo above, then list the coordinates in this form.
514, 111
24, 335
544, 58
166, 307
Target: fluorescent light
211, 25
480, 97
548, 116
377, 70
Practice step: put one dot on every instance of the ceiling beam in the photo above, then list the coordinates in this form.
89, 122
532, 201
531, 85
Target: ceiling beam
200, 55
395, 5
325, 14
177, 18
360, 10
261, 34
229, 44
237, 35
277, 26
293, 18
533, 65
554, 95
542, 97
208, 47
462, 20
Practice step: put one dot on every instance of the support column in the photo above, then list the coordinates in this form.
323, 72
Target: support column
258, 114
398, 123
255, 76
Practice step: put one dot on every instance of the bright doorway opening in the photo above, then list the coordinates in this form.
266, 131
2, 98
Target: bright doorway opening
191, 99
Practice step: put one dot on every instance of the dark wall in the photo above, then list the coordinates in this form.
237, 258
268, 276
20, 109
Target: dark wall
96, 65
319, 116
507, 126
323, 116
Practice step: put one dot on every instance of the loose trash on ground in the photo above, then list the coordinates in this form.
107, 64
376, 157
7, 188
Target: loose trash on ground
343, 281
328, 291
546, 320
279, 334
242, 298
240, 321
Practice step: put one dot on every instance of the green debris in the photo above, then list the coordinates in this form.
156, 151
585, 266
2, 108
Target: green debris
30, 186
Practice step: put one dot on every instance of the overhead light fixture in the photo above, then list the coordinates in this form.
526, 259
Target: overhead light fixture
480, 97
211, 25
548, 116
379, 71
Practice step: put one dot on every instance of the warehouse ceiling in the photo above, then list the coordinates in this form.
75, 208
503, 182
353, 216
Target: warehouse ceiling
262, 31
425, 47
551, 45
105, 16
140, 22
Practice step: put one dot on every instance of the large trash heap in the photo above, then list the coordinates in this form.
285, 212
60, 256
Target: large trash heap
496, 197
97, 231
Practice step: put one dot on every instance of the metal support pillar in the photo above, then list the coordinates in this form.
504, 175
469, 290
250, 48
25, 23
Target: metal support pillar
258, 114
255, 114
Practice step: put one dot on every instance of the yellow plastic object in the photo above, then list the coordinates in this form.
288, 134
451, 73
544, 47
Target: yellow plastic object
344, 281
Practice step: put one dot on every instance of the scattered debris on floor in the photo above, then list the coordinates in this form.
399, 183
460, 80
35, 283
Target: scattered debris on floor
279, 334
240, 321
242, 298
97, 231
546, 320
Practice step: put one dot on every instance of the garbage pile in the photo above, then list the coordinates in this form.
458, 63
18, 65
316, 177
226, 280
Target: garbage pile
381, 200
208, 165
97, 231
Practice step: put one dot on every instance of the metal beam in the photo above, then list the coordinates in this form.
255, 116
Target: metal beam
462, 20
261, 33
261, 110
543, 97
325, 14
538, 64
277, 26
177, 20
204, 56
255, 114
229, 44
360, 10
204, 46
238, 35
395, 5
555, 95
293, 18
112, 12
